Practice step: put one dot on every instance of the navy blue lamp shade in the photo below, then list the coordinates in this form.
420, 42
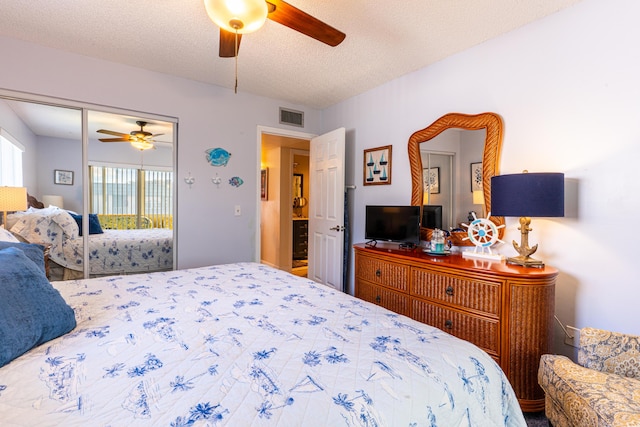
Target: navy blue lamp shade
528, 195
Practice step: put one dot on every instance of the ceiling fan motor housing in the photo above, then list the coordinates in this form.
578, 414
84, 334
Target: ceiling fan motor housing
141, 134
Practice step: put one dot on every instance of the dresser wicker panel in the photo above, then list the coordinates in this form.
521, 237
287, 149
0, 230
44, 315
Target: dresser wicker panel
505, 310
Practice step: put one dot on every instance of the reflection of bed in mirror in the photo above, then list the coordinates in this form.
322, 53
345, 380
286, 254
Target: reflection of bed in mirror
110, 251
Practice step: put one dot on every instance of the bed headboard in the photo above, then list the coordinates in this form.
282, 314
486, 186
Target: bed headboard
33, 202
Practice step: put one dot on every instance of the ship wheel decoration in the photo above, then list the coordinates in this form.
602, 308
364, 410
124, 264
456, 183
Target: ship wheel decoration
483, 233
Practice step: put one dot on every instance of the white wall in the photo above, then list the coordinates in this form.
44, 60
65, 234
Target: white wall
568, 89
209, 117
64, 154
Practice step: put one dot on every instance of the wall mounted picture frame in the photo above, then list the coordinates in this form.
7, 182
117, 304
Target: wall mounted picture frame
62, 177
377, 166
264, 184
431, 180
476, 176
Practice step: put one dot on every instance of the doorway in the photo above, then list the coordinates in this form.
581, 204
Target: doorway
283, 210
300, 195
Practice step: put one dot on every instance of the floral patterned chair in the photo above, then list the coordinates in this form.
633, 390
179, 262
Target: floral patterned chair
603, 389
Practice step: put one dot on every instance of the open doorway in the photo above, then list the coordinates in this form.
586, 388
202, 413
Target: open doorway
300, 195
284, 206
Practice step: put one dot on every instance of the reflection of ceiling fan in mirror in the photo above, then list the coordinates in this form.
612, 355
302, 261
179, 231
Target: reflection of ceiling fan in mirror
140, 139
245, 16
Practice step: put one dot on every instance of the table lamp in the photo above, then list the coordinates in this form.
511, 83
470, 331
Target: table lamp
478, 199
12, 199
527, 195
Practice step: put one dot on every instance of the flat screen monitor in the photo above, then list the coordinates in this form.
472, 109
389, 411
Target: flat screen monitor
393, 223
432, 216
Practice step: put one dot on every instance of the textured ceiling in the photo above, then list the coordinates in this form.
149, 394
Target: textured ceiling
385, 39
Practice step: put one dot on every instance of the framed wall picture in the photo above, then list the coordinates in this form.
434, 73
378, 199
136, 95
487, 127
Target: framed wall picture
264, 184
476, 176
62, 177
431, 180
377, 166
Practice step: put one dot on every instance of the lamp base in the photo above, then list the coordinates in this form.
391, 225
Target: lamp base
525, 261
482, 255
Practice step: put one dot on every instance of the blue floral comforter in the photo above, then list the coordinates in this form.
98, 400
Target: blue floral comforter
247, 345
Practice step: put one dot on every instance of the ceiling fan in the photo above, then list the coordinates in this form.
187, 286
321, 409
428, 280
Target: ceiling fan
237, 17
140, 139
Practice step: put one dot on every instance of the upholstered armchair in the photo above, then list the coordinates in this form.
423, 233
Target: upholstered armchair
603, 389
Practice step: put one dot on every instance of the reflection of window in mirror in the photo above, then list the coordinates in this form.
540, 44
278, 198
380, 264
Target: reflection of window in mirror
297, 185
10, 160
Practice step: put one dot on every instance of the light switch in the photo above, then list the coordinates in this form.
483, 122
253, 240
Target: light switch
237, 211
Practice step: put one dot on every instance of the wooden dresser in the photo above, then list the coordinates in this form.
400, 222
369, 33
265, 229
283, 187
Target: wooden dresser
506, 310
300, 237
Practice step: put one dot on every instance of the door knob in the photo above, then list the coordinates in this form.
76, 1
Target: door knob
337, 228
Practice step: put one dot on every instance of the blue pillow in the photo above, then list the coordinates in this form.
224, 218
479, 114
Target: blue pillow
32, 312
94, 223
33, 251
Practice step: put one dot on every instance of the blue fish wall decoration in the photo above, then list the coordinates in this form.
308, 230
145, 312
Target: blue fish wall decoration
218, 156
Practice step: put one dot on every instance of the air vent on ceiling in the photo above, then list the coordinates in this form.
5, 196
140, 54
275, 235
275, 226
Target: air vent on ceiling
291, 117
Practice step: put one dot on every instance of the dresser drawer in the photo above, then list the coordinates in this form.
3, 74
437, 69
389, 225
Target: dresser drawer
382, 272
384, 297
482, 296
483, 332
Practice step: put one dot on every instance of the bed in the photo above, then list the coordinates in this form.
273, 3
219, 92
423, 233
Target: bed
110, 251
245, 344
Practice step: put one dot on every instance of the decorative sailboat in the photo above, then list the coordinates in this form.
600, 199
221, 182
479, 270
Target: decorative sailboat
383, 160
383, 176
370, 162
376, 171
370, 177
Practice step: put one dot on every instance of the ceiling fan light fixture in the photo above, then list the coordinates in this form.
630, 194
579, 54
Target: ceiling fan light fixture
243, 16
141, 145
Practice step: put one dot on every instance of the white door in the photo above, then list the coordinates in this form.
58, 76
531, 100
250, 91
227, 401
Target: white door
326, 208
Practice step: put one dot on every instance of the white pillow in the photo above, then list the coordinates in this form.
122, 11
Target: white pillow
6, 235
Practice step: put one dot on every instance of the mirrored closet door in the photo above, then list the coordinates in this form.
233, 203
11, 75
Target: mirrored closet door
102, 184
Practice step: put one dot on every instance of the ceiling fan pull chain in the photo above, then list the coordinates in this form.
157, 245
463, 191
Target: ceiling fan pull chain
235, 89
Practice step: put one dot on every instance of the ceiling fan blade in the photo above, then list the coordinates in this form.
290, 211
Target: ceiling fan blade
292, 17
110, 132
114, 140
228, 44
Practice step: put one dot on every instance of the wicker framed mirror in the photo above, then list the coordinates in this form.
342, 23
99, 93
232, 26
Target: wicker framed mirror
492, 124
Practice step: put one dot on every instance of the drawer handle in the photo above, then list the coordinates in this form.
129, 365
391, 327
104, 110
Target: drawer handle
378, 273
378, 299
449, 291
448, 324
